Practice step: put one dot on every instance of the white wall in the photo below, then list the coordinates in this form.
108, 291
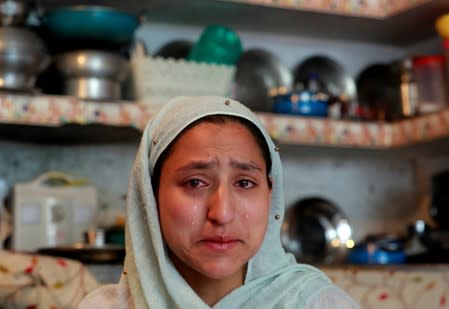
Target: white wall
377, 195
354, 56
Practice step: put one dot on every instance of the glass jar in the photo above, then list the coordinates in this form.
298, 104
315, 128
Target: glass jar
431, 81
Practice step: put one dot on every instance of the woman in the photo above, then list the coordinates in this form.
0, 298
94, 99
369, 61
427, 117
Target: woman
204, 213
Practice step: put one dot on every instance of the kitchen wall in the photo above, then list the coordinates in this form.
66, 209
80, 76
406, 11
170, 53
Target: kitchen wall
107, 166
354, 56
377, 192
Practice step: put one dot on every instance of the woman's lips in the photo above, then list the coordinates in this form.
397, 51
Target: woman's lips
220, 244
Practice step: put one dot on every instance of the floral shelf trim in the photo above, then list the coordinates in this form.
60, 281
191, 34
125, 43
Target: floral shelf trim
368, 8
287, 129
314, 131
59, 110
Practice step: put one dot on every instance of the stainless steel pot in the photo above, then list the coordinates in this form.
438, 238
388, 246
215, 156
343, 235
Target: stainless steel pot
23, 56
316, 231
93, 88
93, 75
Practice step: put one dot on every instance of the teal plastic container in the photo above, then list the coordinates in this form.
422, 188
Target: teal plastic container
217, 44
92, 23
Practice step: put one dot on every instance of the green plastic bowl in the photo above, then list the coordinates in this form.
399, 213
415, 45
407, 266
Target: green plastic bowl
92, 23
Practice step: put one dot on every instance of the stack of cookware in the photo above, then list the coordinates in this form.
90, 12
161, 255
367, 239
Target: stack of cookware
89, 45
23, 54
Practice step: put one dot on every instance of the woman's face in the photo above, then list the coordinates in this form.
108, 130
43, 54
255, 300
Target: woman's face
214, 201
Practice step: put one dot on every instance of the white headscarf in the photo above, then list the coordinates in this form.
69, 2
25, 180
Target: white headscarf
273, 277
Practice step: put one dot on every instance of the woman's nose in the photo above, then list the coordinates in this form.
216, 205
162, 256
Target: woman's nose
221, 207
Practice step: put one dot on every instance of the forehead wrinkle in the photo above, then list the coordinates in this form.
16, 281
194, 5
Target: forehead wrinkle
214, 162
246, 166
199, 165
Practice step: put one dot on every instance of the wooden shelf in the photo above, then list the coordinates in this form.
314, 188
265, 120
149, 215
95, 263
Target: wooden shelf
405, 24
363, 8
45, 110
394, 22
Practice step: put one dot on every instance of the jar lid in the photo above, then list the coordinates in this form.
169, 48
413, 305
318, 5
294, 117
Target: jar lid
429, 60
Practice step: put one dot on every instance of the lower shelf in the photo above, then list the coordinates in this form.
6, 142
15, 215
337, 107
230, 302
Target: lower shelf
60, 111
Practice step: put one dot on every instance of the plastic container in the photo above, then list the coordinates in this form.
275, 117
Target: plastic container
431, 80
310, 100
157, 80
217, 44
378, 251
442, 25
302, 103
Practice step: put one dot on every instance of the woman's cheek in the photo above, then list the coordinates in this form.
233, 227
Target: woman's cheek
255, 209
186, 212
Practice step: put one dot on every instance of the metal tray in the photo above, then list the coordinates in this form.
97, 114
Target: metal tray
108, 254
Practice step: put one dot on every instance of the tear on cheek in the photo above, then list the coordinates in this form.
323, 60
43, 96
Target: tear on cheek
194, 214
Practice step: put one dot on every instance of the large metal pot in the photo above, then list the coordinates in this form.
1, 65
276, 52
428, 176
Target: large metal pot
316, 231
23, 56
92, 74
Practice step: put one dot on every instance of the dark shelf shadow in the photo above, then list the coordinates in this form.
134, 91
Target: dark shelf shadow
69, 134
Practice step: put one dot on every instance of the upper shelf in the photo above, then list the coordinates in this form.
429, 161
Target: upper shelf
363, 8
44, 110
393, 22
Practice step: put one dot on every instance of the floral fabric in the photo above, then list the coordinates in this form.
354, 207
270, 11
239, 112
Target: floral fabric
30, 281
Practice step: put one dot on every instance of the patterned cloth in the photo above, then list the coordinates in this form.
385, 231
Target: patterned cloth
273, 278
29, 281
395, 287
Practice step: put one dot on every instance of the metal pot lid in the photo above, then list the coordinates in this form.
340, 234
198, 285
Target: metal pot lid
13, 39
259, 76
337, 81
316, 231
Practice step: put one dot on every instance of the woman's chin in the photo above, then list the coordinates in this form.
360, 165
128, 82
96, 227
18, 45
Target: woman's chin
222, 271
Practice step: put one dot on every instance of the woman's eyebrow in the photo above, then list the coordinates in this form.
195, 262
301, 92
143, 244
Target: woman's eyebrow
247, 166
197, 165
201, 165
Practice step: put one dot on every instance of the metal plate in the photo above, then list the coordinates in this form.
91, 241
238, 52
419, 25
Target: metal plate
260, 73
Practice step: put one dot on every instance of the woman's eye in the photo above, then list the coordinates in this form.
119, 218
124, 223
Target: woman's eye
245, 183
195, 183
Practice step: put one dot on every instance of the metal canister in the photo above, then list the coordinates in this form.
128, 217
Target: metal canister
406, 95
